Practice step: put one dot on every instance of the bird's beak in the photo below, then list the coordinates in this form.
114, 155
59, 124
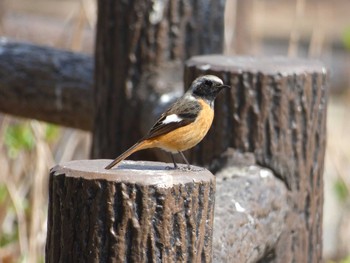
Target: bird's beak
225, 87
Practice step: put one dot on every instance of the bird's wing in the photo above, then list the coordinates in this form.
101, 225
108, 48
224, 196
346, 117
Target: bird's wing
183, 112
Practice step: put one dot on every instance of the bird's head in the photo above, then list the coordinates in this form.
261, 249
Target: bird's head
207, 87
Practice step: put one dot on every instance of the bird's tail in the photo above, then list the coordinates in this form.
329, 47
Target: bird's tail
136, 147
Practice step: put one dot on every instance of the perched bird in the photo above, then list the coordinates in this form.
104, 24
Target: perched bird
184, 124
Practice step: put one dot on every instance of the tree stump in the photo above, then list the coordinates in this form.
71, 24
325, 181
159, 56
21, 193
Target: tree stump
138, 212
276, 110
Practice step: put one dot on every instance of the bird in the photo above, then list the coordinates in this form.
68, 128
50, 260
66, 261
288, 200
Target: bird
184, 124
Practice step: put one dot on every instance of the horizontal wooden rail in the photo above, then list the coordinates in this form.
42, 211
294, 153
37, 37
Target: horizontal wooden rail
46, 84
56, 86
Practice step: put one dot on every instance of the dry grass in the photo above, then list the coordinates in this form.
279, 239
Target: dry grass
25, 183
65, 24
337, 180
24, 177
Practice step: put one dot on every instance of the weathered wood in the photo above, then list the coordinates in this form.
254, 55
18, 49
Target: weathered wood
277, 111
141, 45
46, 84
60, 86
138, 212
251, 207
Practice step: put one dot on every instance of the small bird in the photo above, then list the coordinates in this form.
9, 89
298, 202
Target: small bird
184, 124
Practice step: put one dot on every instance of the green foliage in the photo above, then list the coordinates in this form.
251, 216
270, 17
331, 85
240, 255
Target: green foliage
3, 193
51, 132
341, 190
7, 238
18, 137
344, 260
346, 38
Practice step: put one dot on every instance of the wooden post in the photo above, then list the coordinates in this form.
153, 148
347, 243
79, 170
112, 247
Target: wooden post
277, 111
140, 48
138, 212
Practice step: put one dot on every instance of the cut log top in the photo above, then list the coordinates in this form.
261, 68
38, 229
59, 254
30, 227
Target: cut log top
266, 65
140, 172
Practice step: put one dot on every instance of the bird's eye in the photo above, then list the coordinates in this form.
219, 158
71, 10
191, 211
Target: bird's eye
208, 83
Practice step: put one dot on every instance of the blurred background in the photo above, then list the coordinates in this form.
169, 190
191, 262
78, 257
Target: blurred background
28, 148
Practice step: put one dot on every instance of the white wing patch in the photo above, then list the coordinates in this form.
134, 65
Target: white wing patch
171, 118
190, 97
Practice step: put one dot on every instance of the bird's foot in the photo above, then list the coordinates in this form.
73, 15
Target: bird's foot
177, 167
171, 167
185, 168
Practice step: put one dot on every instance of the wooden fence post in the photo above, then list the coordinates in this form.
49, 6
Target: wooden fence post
277, 111
140, 49
138, 212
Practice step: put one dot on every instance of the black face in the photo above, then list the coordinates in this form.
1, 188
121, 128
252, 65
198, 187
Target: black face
207, 87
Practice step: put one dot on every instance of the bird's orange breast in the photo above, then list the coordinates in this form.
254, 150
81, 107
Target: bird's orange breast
188, 136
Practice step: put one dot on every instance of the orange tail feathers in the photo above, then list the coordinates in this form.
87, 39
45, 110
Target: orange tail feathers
136, 147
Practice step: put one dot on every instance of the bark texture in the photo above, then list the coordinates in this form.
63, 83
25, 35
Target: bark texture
46, 84
139, 212
139, 53
276, 110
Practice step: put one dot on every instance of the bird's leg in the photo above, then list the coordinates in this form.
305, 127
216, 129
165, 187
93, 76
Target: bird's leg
184, 158
175, 165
